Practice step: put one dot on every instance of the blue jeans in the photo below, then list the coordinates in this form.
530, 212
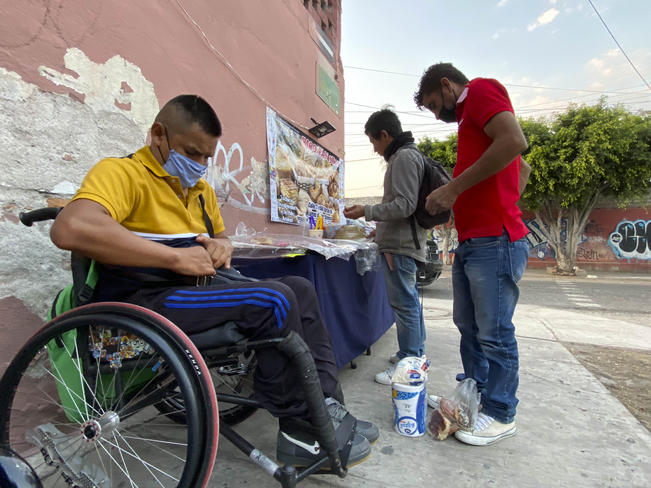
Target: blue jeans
485, 274
403, 298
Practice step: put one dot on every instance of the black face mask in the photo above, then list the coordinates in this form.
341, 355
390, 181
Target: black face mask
448, 114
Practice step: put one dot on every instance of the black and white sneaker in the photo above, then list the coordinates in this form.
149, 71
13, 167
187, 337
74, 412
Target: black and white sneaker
302, 449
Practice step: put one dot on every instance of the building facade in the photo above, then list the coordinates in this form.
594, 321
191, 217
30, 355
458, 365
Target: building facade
83, 79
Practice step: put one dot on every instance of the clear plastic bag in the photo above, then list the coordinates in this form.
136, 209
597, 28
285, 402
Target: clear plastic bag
458, 411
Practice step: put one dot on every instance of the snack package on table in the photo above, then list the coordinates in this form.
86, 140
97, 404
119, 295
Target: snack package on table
457, 411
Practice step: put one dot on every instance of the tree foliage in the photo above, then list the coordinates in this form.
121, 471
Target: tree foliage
587, 150
580, 156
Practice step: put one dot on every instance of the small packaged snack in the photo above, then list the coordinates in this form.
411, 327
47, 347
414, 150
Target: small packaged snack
458, 411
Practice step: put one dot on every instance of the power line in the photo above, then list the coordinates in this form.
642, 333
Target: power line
618, 45
541, 87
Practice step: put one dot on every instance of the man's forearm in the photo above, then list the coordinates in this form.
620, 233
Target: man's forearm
96, 235
498, 156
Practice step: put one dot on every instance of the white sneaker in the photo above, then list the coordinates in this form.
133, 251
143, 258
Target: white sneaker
487, 431
434, 401
384, 378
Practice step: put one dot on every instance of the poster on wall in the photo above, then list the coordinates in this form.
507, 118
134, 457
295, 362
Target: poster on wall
305, 179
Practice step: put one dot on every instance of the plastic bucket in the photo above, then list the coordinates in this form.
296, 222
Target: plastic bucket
410, 408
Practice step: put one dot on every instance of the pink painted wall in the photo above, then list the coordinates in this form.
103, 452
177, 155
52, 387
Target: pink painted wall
240, 55
614, 239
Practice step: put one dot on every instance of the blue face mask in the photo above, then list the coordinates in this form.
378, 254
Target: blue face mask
186, 169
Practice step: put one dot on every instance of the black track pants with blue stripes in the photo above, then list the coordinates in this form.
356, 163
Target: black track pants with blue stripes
263, 309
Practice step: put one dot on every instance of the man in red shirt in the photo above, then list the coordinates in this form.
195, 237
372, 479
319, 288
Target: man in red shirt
488, 179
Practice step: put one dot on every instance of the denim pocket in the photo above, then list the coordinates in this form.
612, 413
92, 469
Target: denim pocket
519, 251
405, 264
476, 242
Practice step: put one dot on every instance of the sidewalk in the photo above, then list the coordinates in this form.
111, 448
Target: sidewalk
571, 431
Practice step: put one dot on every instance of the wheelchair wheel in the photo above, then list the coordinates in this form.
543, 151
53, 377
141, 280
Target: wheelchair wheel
233, 378
79, 402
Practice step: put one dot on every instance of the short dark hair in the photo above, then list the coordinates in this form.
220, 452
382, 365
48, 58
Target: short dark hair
431, 80
384, 119
190, 109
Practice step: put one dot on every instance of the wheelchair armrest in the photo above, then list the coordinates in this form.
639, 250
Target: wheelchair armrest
223, 335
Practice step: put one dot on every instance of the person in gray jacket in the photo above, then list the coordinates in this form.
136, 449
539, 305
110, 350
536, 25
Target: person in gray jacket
393, 232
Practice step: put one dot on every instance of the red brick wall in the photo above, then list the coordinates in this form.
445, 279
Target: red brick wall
614, 239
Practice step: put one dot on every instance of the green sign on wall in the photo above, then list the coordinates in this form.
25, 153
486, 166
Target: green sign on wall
327, 89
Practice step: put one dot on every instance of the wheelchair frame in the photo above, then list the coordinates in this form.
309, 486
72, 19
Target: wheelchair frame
219, 350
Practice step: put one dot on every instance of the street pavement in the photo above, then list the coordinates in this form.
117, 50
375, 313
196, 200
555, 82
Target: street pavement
572, 432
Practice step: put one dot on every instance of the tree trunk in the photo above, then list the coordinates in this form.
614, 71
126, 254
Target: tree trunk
563, 228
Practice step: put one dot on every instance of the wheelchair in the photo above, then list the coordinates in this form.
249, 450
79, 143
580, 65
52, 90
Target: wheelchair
111, 394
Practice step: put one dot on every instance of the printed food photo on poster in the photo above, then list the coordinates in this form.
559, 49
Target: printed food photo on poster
305, 179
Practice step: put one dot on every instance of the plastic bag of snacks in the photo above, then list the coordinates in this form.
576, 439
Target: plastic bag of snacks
411, 370
457, 411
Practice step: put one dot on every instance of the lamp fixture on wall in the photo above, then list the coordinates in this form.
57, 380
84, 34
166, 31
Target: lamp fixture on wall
322, 129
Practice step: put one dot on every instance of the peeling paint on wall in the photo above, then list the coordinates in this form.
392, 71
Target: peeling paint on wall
114, 86
49, 142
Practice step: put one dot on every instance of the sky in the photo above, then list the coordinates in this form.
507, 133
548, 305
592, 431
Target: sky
547, 53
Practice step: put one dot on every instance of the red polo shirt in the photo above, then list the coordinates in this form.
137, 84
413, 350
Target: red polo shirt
490, 206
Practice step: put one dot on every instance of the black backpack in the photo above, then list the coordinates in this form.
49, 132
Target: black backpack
434, 176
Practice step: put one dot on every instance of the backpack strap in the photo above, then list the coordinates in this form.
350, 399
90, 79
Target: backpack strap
412, 219
414, 233
206, 218
87, 291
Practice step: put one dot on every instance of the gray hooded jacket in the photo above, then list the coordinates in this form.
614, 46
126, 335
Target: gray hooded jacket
401, 184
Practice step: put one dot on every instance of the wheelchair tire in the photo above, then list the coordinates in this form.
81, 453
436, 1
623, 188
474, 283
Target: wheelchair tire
224, 382
78, 401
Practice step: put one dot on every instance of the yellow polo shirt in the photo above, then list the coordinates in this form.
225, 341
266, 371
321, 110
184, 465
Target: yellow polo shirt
144, 198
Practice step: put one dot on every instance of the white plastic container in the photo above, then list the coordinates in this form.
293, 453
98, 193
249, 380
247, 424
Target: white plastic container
410, 408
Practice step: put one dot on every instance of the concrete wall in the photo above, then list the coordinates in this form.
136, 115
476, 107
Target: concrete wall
83, 79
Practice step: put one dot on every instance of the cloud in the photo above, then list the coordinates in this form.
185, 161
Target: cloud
502, 3
497, 34
611, 68
545, 18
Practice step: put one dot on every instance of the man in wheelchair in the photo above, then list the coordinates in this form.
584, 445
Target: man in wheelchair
154, 228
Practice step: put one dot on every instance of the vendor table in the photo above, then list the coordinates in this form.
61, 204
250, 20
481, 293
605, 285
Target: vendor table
355, 307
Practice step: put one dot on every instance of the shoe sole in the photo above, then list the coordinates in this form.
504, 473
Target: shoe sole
483, 441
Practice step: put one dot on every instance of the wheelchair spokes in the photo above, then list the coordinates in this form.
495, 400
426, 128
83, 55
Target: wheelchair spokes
82, 408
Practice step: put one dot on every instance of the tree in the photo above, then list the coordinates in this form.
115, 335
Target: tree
446, 153
583, 154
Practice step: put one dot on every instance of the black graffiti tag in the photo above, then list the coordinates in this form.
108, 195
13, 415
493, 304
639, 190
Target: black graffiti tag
632, 239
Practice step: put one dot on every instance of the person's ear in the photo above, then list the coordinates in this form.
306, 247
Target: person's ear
384, 135
157, 134
446, 84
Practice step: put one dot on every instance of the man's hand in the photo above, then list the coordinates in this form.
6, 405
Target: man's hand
441, 199
220, 250
193, 261
354, 212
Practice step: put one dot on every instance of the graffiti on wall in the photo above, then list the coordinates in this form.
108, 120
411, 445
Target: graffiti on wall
226, 174
540, 247
631, 239
537, 240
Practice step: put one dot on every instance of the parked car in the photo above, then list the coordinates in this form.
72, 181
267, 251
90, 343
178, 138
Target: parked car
429, 270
